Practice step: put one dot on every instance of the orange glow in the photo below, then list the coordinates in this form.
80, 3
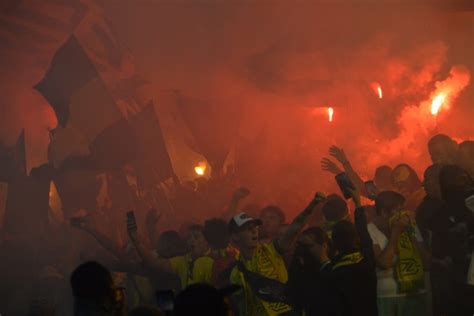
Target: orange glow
377, 89
330, 113
437, 103
200, 170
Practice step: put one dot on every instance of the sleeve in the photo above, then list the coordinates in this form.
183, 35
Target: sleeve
364, 236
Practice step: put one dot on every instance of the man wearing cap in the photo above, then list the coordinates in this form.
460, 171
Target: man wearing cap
260, 268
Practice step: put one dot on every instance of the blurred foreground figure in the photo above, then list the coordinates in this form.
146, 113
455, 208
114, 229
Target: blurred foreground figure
443, 149
94, 292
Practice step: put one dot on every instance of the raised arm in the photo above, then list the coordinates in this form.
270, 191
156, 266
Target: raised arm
149, 259
285, 240
83, 223
340, 155
237, 196
360, 221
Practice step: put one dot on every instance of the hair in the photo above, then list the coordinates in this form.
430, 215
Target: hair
441, 139
146, 311
335, 208
200, 299
216, 233
388, 201
91, 281
196, 228
453, 180
275, 210
344, 237
170, 244
383, 176
318, 234
412, 177
468, 146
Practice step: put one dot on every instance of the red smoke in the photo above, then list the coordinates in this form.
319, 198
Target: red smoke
282, 64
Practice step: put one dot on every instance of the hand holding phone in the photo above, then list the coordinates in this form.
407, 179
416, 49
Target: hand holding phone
371, 189
131, 224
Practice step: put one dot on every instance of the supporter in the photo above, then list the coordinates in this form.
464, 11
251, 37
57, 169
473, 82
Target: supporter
272, 218
194, 267
397, 240
406, 182
466, 156
452, 235
334, 210
94, 292
382, 178
443, 149
260, 268
217, 236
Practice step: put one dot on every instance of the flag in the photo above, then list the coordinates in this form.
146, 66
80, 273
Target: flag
70, 70
13, 160
153, 162
214, 127
180, 143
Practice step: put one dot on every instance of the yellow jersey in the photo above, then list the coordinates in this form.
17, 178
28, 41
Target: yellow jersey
191, 270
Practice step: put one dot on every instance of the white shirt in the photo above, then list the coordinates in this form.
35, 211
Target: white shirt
387, 285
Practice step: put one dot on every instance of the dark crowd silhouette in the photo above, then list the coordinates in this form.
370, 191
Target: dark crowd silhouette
393, 246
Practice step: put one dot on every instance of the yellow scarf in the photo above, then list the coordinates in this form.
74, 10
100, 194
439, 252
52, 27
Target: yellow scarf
348, 260
409, 270
269, 264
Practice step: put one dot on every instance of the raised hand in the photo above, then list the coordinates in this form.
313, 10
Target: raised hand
338, 153
328, 165
241, 193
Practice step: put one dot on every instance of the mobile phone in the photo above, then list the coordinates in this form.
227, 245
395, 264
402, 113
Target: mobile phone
165, 300
371, 189
131, 221
470, 203
345, 184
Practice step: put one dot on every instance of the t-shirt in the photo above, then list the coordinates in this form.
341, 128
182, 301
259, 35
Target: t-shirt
387, 285
268, 262
192, 271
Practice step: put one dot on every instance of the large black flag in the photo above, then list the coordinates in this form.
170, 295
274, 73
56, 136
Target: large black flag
153, 162
70, 70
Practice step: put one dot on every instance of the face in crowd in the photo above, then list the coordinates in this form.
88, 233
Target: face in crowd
272, 218
196, 242
247, 236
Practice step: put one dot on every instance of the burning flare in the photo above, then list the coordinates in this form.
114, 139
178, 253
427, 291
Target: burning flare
437, 103
377, 89
200, 169
330, 113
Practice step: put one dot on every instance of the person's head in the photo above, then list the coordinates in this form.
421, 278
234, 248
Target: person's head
244, 231
334, 208
170, 244
200, 299
405, 180
454, 182
146, 311
272, 218
92, 283
389, 202
383, 178
316, 242
196, 242
216, 233
345, 238
466, 156
431, 181
443, 149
